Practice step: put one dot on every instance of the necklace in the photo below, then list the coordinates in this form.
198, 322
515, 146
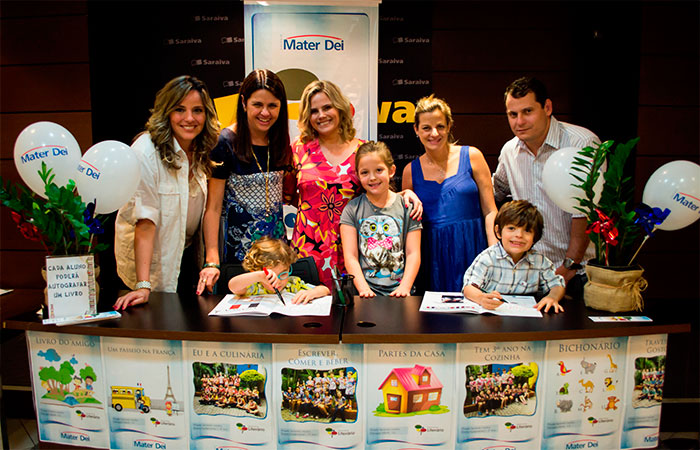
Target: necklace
266, 176
432, 162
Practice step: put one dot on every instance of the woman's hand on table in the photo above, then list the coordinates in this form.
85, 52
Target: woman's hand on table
132, 298
207, 279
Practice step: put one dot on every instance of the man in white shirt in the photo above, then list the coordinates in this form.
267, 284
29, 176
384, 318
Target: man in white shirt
519, 174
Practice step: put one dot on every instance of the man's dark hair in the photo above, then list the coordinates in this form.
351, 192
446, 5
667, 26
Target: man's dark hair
524, 85
520, 213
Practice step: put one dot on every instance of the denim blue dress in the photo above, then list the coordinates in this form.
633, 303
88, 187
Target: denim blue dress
453, 224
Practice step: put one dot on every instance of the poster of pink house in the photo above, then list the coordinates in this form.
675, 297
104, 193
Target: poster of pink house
411, 389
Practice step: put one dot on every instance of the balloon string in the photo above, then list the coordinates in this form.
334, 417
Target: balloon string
640, 247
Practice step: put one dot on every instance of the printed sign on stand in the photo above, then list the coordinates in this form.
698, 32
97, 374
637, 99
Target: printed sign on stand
69, 389
646, 367
71, 288
410, 395
304, 43
318, 388
230, 395
499, 394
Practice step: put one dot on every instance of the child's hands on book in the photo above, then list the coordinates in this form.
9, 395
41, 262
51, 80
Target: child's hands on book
270, 278
547, 303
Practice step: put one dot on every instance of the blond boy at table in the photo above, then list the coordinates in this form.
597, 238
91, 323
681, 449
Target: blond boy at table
511, 266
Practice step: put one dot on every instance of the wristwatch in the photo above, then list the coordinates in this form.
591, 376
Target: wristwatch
571, 265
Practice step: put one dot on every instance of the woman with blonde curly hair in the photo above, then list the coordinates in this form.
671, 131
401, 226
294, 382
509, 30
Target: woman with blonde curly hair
324, 156
269, 265
158, 232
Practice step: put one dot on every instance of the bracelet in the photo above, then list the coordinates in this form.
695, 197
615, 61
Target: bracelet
143, 285
211, 264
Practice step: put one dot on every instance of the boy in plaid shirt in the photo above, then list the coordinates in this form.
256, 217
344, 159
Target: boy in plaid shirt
511, 266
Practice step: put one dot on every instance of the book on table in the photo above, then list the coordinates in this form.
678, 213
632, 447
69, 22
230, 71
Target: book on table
264, 305
455, 302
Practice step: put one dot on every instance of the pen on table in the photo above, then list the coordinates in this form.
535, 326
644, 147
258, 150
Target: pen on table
277, 291
334, 273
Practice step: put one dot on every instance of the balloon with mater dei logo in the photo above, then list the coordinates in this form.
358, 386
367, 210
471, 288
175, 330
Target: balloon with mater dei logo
676, 186
109, 173
52, 144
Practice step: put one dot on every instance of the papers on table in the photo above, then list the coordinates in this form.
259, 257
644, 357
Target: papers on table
61, 321
264, 305
620, 318
454, 302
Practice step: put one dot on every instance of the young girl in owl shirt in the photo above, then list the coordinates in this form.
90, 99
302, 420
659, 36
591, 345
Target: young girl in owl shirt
381, 243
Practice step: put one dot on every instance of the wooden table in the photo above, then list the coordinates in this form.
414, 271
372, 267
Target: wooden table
178, 317
381, 320
398, 320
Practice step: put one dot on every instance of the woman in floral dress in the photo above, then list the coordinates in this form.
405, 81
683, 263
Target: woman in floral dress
324, 156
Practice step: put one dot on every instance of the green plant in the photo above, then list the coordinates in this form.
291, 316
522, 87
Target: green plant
62, 222
611, 220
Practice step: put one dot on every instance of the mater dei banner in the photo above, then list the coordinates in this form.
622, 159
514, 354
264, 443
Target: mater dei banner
303, 43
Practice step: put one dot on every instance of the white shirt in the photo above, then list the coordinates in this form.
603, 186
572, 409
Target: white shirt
161, 197
519, 173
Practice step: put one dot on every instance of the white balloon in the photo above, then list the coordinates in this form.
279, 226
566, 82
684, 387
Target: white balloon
50, 143
676, 186
557, 180
109, 173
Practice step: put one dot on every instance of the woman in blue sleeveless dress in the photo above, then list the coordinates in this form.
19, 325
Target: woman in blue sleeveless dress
454, 184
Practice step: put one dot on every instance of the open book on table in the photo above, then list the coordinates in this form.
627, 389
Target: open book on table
264, 305
454, 302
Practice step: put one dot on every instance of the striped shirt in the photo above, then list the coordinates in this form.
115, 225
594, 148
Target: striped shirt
519, 174
494, 270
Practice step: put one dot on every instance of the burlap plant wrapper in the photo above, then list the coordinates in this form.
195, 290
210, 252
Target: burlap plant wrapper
614, 290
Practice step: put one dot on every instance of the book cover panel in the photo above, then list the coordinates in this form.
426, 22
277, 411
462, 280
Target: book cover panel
316, 396
69, 389
646, 365
229, 395
499, 389
410, 393
585, 393
147, 403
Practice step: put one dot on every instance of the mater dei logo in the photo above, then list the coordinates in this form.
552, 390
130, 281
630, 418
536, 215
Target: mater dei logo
313, 42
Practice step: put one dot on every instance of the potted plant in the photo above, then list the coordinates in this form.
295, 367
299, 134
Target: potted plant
61, 222
614, 226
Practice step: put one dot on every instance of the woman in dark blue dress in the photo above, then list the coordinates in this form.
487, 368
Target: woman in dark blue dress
252, 175
454, 184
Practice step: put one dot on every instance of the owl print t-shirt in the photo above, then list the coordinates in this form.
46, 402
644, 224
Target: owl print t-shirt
381, 237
